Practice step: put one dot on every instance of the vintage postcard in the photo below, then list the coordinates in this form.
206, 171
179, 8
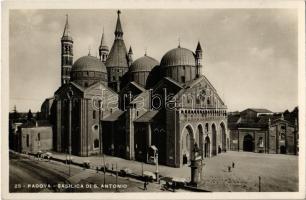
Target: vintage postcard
153, 100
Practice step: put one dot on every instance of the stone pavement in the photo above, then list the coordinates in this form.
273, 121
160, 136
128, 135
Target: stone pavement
135, 166
278, 172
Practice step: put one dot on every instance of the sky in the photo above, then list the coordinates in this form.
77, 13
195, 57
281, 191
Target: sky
249, 55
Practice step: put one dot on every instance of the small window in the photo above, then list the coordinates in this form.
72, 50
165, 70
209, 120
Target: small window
38, 136
188, 99
183, 79
114, 78
86, 84
28, 141
260, 142
94, 114
137, 113
96, 143
208, 101
198, 100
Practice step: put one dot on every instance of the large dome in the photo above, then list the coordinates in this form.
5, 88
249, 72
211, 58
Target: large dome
178, 57
88, 70
89, 63
143, 64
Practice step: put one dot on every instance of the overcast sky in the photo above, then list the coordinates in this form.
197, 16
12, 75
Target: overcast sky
250, 55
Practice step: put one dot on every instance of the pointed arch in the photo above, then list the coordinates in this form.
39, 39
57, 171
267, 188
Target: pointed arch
187, 142
214, 139
206, 153
223, 136
200, 138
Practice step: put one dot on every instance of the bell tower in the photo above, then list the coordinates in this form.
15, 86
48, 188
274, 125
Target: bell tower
103, 49
66, 54
198, 55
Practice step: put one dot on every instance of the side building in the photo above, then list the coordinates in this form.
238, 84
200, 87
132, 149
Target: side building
262, 131
33, 137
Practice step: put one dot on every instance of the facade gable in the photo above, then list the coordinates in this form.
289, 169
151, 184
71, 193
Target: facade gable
62, 92
199, 94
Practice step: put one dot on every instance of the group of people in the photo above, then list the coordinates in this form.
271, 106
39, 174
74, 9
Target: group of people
230, 167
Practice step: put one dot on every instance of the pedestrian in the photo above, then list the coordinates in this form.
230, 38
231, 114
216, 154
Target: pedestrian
145, 185
229, 168
219, 149
233, 165
173, 186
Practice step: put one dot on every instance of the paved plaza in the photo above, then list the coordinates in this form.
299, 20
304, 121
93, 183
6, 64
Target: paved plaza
278, 172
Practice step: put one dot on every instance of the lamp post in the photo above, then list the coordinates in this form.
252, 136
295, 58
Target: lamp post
157, 175
116, 178
70, 96
100, 141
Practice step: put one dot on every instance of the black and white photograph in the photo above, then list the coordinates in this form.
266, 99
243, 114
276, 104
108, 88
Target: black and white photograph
121, 100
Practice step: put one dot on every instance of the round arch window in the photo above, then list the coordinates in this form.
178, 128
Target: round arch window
95, 127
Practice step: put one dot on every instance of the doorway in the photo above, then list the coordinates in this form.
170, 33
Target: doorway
248, 144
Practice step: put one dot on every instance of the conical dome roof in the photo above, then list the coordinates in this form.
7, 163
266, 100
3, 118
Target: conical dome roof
118, 54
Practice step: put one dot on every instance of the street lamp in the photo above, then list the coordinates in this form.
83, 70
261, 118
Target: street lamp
157, 175
100, 140
70, 96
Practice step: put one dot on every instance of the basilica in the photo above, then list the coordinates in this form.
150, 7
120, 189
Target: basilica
142, 109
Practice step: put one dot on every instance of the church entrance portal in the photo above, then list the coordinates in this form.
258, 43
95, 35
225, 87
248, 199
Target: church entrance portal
187, 143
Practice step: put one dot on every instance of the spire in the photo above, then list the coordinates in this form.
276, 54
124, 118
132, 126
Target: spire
130, 50
145, 51
179, 42
198, 55
89, 51
130, 56
118, 30
199, 48
66, 32
103, 43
